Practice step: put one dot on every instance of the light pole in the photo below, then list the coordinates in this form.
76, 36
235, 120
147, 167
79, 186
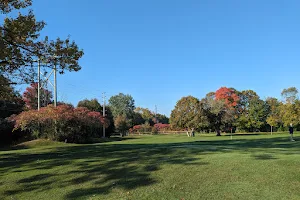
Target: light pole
103, 97
55, 85
39, 87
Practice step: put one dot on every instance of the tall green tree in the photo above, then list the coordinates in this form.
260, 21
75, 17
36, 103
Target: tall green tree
273, 118
137, 119
10, 100
21, 44
92, 105
243, 107
290, 95
214, 111
187, 113
7, 92
245, 97
162, 118
10, 103
122, 105
257, 114
289, 110
146, 114
289, 113
143, 115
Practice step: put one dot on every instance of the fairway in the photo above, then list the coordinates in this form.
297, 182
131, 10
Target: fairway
155, 167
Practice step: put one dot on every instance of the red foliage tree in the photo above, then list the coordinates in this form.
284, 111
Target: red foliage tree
162, 127
136, 127
229, 95
30, 96
62, 122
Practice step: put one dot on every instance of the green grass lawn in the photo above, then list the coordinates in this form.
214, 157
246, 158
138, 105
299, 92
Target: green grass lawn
155, 167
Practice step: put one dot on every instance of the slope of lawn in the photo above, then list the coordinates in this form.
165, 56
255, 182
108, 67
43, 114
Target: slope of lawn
155, 167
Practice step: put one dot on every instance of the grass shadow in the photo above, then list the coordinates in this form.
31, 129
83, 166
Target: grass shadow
128, 166
35, 178
264, 157
110, 139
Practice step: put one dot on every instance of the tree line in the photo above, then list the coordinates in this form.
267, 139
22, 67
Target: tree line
228, 110
20, 118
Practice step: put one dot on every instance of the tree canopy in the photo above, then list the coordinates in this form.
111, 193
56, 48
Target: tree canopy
21, 45
30, 96
10, 100
92, 105
228, 109
187, 113
122, 104
228, 95
290, 94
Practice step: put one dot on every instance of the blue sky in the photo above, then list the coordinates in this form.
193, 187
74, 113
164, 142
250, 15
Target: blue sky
161, 50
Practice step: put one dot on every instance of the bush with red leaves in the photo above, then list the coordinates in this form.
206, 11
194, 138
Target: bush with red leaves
61, 123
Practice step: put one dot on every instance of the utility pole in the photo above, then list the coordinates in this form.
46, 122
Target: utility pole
156, 114
45, 96
55, 85
39, 83
103, 98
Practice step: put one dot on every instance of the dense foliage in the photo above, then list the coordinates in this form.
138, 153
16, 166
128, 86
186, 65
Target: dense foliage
30, 96
188, 113
94, 105
229, 95
226, 110
10, 103
21, 44
61, 123
230, 110
122, 124
144, 115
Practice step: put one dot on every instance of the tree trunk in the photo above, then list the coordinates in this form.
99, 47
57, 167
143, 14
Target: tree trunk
218, 132
271, 130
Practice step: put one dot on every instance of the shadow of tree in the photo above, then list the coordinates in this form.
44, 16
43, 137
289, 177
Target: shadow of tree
110, 139
129, 166
34, 178
264, 157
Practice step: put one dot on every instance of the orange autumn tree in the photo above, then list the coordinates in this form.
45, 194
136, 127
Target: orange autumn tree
231, 100
229, 96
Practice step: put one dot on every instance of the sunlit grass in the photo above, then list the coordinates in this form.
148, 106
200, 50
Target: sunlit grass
155, 167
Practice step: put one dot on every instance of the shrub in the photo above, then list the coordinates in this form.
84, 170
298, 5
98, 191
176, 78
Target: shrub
8, 137
122, 124
136, 128
154, 130
143, 128
162, 127
146, 128
61, 123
